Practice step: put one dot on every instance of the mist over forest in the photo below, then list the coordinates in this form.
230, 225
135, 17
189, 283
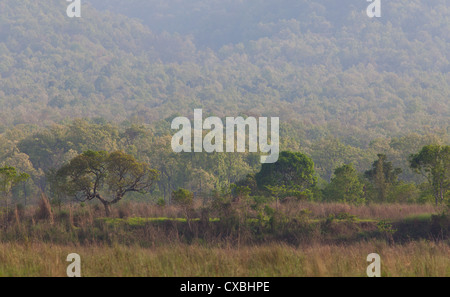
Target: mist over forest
345, 87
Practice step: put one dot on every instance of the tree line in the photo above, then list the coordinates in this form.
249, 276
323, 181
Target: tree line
88, 160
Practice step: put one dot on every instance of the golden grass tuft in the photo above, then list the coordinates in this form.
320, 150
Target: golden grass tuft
44, 209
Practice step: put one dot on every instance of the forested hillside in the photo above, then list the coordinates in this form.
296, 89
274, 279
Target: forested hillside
325, 64
346, 87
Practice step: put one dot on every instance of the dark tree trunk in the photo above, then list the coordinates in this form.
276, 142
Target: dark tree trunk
106, 204
107, 209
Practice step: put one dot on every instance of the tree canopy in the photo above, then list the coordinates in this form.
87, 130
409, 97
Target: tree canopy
105, 176
433, 161
329, 65
346, 87
345, 186
293, 169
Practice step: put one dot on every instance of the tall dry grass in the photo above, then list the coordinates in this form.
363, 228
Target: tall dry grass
424, 259
146, 225
294, 208
39, 238
44, 209
127, 209
370, 211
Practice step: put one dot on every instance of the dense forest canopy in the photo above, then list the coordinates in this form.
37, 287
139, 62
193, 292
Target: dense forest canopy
346, 87
320, 62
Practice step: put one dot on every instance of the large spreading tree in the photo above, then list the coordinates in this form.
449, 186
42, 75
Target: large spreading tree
104, 176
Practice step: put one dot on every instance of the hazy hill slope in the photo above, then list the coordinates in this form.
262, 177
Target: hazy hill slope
53, 67
214, 23
315, 62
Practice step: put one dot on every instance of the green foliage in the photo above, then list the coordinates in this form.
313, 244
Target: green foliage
292, 170
249, 181
98, 174
283, 192
309, 61
346, 217
383, 177
404, 192
345, 186
182, 197
386, 229
10, 177
343, 96
433, 161
161, 202
269, 211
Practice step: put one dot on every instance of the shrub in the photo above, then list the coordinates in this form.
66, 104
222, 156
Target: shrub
386, 229
182, 197
161, 202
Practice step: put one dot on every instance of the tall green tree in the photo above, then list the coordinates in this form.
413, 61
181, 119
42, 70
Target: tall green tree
433, 161
9, 177
105, 176
383, 177
345, 186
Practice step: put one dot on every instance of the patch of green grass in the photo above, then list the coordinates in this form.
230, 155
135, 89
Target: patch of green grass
420, 217
139, 221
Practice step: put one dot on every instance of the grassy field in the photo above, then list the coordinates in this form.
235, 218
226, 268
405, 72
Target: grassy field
301, 239
422, 258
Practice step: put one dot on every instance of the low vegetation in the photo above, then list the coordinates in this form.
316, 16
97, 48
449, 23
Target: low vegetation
300, 239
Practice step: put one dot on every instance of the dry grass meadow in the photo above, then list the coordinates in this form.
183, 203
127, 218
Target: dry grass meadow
415, 259
300, 239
